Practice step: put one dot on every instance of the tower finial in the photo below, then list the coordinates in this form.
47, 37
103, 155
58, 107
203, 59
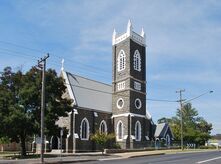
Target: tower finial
62, 64
129, 27
114, 33
142, 33
114, 36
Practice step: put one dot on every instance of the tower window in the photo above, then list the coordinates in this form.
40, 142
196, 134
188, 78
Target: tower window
103, 127
84, 133
138, 103
137, 85
121, 86
119, 130
138, 131
137, 61
120, 103
121, 61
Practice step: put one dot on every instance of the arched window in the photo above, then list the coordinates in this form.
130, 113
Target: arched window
168, 140
138, 131
137, 61
121, 61
120, 131
103, 127
84, 129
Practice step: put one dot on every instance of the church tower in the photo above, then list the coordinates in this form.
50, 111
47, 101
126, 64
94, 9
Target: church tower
130, 122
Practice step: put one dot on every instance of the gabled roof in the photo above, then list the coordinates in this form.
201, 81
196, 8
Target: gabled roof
88, 93
161, 130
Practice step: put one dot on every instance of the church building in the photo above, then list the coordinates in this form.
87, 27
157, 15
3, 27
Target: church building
119, 108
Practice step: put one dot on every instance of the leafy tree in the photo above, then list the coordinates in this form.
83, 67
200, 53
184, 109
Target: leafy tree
195, 129
103, 139
20, 104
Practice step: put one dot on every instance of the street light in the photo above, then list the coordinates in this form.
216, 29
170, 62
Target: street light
183, 102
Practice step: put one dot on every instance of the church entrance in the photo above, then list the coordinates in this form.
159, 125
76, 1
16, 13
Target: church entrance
54, 142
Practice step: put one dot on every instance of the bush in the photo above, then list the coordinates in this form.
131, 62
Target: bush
208, 147
104, 140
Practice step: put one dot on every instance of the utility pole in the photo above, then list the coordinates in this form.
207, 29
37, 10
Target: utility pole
42, 65
181, 116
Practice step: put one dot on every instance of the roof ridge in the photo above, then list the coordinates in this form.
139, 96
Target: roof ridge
90, 79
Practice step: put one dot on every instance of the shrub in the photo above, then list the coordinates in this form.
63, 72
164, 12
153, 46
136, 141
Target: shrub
104, 140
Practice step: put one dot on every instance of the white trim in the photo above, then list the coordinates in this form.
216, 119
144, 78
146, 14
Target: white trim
148, 115
120, 107
138, 107
88, 129
140, 39
168, 127
95, 114
121, 61
127, 114
137, 85
137, 61
75, 111
139, 132
67, 84
76, 135
164, 135
132, 137
121, 86
117, 132
105, 126
147, 138
125, 137
168, 141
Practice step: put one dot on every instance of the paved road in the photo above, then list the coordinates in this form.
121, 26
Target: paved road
179, 158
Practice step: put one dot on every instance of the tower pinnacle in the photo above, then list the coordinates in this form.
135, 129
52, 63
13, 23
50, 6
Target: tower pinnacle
129, 27
62, 65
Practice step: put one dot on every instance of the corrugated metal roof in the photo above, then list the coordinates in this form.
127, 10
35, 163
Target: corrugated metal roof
160, 130
91, 94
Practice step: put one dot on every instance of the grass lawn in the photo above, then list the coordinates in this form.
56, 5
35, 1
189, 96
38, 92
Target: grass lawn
16, 154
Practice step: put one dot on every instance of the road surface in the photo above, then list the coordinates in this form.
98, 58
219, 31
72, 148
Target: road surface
179, 158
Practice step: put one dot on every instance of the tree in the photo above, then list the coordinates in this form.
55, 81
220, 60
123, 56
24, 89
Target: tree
20, 104
195, 129
103, 139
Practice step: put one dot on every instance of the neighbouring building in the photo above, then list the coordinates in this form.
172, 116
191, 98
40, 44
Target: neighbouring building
163, 135
119, 108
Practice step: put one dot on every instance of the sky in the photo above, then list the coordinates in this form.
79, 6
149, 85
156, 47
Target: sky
183, 44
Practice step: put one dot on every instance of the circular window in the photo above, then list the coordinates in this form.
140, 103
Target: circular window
138, 103
120, 103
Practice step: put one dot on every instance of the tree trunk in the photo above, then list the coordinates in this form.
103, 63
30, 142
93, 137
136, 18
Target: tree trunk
23, 148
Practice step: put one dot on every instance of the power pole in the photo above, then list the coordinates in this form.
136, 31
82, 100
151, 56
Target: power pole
42, 65
181, 116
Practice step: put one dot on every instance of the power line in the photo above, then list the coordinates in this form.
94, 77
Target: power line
21, 46
52, 62
161, 100
59, 57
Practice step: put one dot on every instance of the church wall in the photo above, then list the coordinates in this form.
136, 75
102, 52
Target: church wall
125, 96
133, 97
94, 124
126, 125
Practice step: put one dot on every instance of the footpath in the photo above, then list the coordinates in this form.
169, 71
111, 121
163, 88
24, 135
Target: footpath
98, 156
